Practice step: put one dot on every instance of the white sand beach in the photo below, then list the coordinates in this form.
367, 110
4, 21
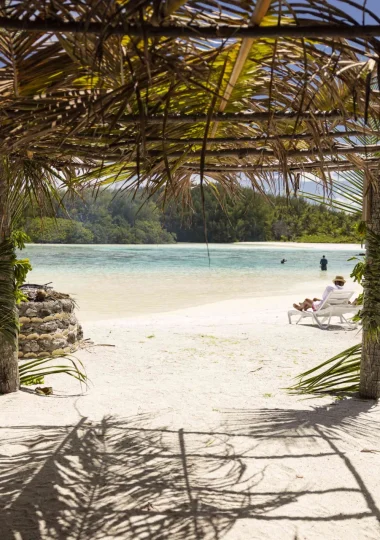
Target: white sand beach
186, 432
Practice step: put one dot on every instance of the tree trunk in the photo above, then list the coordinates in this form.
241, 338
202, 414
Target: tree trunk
370, 362
9, 374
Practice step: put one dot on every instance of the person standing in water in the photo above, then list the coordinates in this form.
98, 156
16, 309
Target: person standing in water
323, 262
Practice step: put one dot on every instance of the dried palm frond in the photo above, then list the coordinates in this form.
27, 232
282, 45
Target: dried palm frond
99, 101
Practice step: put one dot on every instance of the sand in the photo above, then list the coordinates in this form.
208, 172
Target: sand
187, 433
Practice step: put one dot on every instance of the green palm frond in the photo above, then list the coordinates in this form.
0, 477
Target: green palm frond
345, 194
34, 370
339, 374
346, 190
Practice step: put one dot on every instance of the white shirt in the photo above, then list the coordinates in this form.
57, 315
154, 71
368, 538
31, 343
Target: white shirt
327, 291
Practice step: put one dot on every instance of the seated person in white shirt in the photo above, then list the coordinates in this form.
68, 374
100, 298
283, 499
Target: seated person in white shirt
314, 304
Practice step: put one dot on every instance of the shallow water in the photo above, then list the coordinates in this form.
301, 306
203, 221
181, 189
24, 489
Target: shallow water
123, 281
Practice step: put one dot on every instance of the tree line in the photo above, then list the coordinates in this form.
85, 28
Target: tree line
120, 218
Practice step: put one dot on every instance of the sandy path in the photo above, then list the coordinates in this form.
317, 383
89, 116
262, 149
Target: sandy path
187, 434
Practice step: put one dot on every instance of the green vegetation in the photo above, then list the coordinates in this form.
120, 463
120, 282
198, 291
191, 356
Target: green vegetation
21, 266
328, 239
254, 217
34, 371
109, 218
112, 218
341, 373
58, 231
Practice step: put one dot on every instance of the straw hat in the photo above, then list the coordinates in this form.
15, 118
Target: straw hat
339, 278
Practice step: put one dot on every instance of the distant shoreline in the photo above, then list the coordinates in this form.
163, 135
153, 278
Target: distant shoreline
248, 243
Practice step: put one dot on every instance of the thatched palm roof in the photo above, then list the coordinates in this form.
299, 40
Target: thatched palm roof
140, 89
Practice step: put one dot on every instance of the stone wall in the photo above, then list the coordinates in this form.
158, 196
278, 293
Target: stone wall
48, 328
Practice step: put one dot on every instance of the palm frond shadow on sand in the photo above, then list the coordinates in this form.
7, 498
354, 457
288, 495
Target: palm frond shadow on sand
337, 433
122, 479
126, 478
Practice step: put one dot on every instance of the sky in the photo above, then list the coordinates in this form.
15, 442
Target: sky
373, 5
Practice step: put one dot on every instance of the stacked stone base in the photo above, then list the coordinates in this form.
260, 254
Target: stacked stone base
48, 328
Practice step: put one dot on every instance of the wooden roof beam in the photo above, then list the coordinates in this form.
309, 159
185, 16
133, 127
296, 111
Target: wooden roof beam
188, 31
262, 152
237, 140
249, 117
292, 167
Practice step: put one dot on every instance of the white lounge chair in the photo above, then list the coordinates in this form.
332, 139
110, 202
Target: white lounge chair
335, 305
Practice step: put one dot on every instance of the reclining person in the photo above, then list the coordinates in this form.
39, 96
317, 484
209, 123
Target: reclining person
314, 304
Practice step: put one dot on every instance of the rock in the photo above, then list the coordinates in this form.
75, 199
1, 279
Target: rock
31, 346
56, 307
64, 323
28, 329
31, 312
22, 308
49, 318
32, 336
79, 332
24, 320
36, 320
46, 308
50, 326
67, 305
46, 336
44, 311
43, 354
59, 343
71, 337
57, 352
46, 345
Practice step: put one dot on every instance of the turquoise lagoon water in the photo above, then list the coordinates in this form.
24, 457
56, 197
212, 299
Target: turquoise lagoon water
111, 281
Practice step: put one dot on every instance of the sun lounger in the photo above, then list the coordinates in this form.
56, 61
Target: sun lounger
336, 304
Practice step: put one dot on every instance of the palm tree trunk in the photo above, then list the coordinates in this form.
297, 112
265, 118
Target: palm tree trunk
370, 362
9, 374
9, 377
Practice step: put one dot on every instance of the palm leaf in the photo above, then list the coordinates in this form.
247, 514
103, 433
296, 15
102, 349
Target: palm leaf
341, 373
32, 370
345, 194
